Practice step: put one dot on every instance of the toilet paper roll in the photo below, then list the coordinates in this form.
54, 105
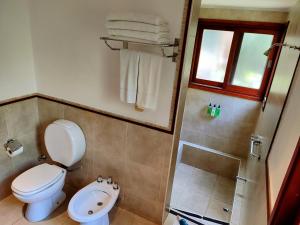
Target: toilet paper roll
14, 153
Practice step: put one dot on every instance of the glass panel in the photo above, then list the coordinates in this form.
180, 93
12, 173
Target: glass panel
251, 61
214, 53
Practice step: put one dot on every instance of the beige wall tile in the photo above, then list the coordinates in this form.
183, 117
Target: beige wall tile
210, 161
18, 120
136, 157
21, 117
146, 146
151, 210
230, 133
110, 135
142, 181
50, 111
3, 128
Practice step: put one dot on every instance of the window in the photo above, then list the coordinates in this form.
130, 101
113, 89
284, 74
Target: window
229, 57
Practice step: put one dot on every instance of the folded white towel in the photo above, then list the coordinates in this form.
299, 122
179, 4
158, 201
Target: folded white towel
135, 26
162, 37
150, 66
140, 75
136, 17
129, 66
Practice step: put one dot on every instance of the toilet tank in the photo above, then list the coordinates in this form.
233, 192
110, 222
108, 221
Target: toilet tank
65, 142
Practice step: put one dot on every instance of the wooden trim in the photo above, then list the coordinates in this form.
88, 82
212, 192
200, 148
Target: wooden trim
232, 60
238, 27
196, 54
288, 200
17, 99
233, 24
223, 92
86, 108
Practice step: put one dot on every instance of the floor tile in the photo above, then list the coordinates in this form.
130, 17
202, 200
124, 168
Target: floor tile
11, 213
202, 192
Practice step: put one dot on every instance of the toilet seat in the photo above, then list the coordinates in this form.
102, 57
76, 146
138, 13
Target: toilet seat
37, 179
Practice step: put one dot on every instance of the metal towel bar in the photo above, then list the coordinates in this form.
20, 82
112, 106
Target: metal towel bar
174, 45
255, 142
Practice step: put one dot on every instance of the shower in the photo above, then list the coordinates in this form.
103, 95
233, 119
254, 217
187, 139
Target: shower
266, 53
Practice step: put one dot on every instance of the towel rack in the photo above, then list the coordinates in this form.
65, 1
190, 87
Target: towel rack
174, 45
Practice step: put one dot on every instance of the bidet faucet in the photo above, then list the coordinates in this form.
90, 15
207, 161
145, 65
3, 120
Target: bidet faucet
99, 179
109, 180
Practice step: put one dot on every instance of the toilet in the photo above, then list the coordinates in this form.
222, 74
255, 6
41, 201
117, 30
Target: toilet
91, 205
41, 186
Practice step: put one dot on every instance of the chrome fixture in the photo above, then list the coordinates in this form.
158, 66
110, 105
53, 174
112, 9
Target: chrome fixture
241, 178
226, 210
266, 53
115, 186
12, 145
109, 180
162, 46
42, 158
99, 179
255, 143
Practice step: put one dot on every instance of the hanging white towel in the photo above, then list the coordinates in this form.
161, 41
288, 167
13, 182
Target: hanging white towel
136, 17
162, 37
129, 66
135, 26
150, 66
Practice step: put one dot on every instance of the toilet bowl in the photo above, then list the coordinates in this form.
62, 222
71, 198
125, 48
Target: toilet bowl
41, 186
91, 205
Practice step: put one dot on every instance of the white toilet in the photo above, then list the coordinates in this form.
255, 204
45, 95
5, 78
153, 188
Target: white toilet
91, 205
41, 186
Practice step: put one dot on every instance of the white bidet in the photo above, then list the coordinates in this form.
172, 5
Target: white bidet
90, 205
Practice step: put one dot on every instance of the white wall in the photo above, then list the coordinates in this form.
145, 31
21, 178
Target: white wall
289, 129
17, 76
73, 64
286, 140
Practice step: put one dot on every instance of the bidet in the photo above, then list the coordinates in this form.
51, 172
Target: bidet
91, 205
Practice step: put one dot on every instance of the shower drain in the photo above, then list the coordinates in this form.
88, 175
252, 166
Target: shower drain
90, 212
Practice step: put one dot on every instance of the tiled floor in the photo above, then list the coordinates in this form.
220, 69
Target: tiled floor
172, 220
11, 213
203, 193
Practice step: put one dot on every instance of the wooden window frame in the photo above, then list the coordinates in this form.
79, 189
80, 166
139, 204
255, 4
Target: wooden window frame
239, 28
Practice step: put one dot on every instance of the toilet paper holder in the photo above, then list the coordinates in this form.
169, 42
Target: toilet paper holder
13, 147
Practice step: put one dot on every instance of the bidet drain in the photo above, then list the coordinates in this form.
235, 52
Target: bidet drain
99, 203
90, 212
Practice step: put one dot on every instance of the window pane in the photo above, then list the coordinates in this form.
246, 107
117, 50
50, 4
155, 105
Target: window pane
251, 61
214, 53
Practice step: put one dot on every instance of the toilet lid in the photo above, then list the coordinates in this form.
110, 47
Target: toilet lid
37, 178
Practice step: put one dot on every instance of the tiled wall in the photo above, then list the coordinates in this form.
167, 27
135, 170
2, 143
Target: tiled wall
135, 156
207, 160
230, 132
18, 120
